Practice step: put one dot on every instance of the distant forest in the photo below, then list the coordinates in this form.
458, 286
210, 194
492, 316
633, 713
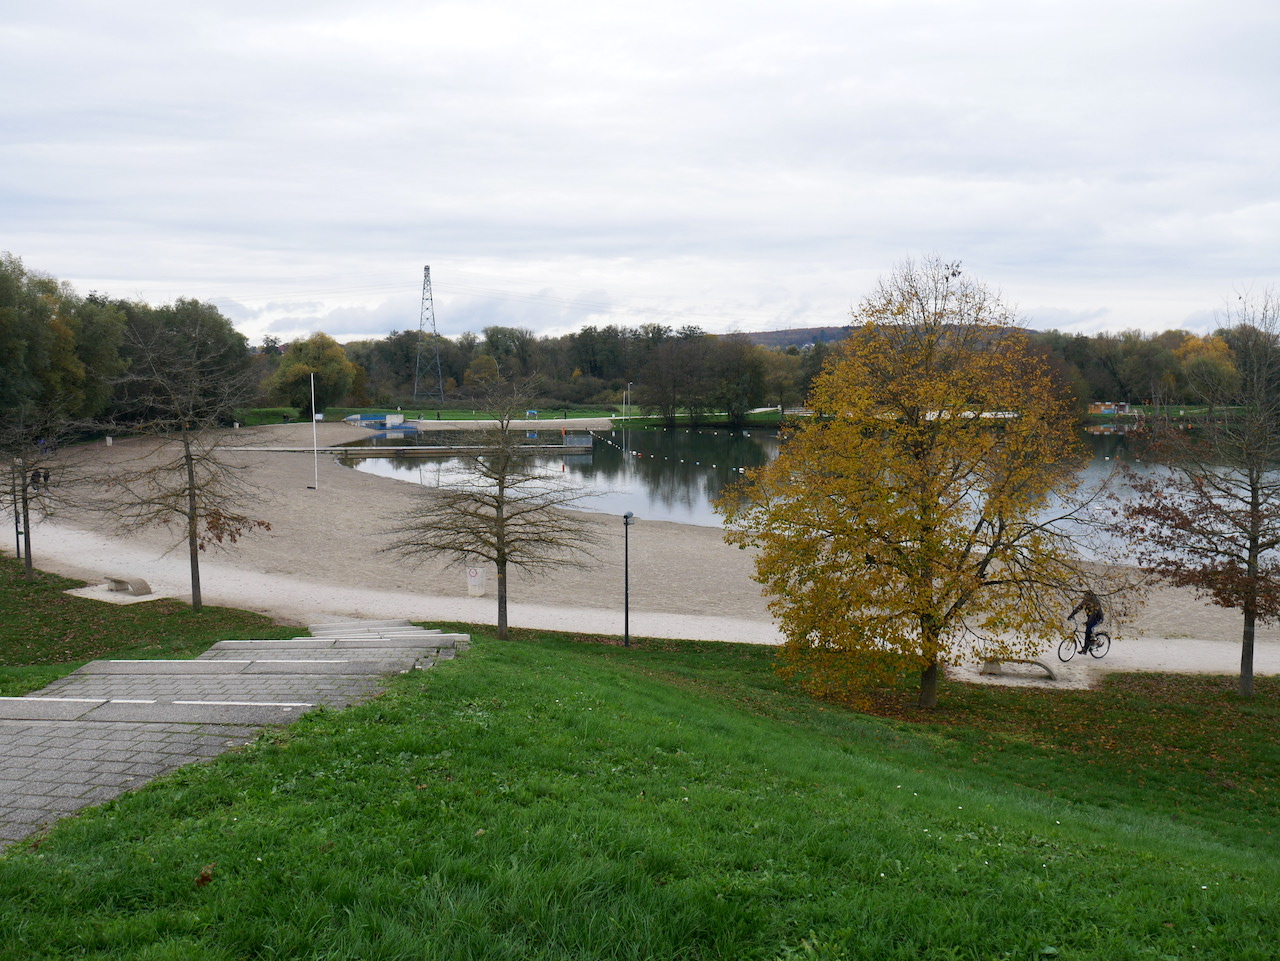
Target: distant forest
71, 352
688, 369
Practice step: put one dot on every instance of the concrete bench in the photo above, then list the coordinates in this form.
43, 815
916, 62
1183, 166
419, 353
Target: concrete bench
134, 585
995, 666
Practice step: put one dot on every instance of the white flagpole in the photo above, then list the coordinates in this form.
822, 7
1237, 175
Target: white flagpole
315, 443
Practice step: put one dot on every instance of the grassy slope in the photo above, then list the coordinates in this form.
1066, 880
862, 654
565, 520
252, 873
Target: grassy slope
549, 799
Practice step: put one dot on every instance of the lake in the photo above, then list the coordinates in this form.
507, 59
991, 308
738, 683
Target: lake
658, 474
667, 475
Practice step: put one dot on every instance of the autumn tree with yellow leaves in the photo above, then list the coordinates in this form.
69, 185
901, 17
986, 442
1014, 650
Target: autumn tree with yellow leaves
910, 522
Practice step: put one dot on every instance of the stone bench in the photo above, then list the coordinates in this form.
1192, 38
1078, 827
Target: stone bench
995, 666
134, 585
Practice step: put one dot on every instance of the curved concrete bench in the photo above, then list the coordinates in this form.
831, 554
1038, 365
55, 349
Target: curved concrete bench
134, 585
995, 666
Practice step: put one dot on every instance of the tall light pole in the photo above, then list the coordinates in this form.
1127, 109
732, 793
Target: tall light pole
315, 442
627, 520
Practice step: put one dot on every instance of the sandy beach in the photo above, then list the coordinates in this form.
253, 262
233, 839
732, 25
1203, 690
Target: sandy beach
324, 559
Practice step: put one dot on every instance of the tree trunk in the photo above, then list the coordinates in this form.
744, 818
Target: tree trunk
929, 632
500, 539
28, 567
502, 600
1246, 654
929, 686
193, 540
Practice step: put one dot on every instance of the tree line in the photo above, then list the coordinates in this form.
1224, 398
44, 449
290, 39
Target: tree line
68, 353
660, 369
686, 370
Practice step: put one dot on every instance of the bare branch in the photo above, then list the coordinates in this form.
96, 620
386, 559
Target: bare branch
504, 512
1209, 519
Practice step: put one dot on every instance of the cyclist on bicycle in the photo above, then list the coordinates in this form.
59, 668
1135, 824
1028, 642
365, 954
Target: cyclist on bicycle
1092, 608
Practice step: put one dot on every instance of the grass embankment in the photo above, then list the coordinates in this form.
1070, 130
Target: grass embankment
765, 418
551, 799
46, 633
469, 413
257, 416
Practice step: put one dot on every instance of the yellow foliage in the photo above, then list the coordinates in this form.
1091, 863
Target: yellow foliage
903, 525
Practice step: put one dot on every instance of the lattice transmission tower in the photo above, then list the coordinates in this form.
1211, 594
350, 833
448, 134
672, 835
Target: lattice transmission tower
427, 316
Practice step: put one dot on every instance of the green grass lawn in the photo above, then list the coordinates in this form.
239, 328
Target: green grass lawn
257, 416
554, 797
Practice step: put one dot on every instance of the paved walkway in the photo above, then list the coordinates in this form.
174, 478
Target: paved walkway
114, 725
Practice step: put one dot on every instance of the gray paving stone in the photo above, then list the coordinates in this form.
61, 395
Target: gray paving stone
27, 815
63, 805
21, 708
160, 668
263, 714
285, 646
342, 666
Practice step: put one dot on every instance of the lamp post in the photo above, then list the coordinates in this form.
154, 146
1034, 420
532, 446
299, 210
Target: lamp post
627, 520
315, 443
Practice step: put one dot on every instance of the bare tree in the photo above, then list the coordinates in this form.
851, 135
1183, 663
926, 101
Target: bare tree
36, 476
184, 482
503, 511
1210, 519
188, 374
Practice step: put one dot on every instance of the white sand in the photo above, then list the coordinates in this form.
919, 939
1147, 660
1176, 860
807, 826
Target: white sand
321, 561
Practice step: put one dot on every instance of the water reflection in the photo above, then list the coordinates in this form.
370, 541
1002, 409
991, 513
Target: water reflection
671, 475
659, 474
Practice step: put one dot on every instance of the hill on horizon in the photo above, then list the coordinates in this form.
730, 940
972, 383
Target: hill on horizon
798, 336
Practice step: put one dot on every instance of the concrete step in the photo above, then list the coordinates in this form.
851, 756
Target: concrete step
363, 655
417, 642
144, 710
229, 666
358, 626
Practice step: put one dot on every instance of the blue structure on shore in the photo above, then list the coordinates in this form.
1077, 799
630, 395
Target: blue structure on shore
379, 421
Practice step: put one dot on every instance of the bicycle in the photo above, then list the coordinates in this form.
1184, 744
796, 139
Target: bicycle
1071, 646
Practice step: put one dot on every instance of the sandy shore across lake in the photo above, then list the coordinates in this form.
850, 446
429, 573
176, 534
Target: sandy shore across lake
323, 560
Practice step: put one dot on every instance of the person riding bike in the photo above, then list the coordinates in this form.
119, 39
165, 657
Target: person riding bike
1092, 608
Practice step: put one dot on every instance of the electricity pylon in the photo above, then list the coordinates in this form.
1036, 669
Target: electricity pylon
427, 315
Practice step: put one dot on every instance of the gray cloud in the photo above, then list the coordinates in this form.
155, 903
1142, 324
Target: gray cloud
737, 166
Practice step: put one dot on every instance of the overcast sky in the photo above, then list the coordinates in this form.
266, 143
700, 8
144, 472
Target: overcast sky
734, 165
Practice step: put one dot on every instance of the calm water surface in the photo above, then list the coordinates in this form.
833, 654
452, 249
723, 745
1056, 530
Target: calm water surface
670, 475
